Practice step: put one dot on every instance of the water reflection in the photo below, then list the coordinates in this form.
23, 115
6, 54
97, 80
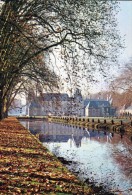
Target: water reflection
50, 132
101, 156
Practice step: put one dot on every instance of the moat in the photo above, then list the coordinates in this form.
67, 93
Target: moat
94, 155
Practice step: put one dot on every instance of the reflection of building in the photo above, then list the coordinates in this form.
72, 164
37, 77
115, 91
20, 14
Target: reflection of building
97, 107
55, 133
50, 132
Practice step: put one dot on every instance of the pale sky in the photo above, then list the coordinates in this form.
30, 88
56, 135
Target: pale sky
124, 19
125, 26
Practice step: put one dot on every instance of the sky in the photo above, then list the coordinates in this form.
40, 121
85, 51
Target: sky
125, 27
124, 19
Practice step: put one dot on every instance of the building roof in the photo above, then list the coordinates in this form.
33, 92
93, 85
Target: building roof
49, 97
92, 104
96, 103
55, 96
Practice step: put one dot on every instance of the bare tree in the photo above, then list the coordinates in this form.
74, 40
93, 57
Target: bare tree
121, 87
123, 82
84, 30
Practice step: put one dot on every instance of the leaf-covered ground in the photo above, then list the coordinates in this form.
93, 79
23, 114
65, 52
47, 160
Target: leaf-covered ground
26, 167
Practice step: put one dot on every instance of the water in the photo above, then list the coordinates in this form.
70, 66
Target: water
102, 157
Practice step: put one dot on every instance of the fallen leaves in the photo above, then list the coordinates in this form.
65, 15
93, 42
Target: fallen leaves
27, 167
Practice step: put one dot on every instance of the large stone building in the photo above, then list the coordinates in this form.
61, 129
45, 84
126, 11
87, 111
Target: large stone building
49, 104
60, 104
57, 104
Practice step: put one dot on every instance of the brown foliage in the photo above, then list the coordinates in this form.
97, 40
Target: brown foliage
26, 167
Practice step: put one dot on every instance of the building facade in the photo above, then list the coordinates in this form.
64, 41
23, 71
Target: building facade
63, 105
98, 108
57, 104
60, 104
49, 104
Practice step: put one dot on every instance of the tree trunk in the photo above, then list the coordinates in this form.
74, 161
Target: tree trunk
6, 114
1, 110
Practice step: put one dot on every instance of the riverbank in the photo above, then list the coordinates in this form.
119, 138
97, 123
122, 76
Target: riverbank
122, 126
27, 167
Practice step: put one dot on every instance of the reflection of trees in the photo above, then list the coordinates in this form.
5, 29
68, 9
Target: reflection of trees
122, 153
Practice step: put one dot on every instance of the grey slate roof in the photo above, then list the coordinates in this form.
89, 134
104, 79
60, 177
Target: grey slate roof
49, 97
57, 96
96, 103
